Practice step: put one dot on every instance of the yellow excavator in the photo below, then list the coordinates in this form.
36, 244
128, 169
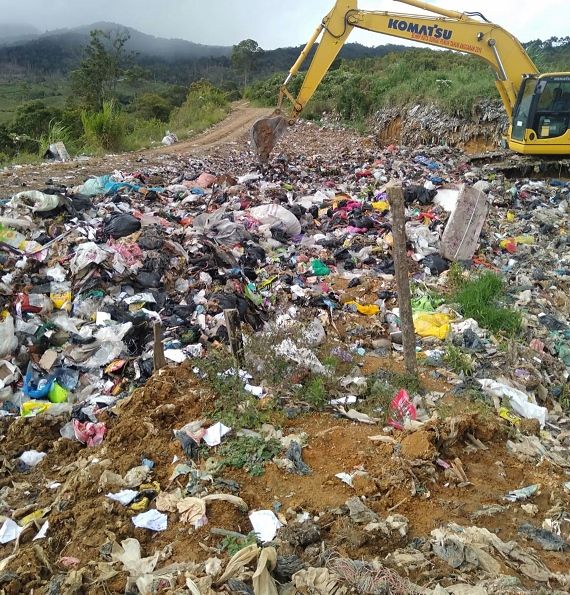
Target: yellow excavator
538, 105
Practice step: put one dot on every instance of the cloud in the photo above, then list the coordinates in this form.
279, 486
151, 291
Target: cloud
273, 23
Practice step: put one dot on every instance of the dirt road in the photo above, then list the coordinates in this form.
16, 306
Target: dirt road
234, 127
230, 133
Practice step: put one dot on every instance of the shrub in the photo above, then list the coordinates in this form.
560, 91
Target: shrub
205, 105
105, 129
144, 133
33, 119
152, 106
56, 132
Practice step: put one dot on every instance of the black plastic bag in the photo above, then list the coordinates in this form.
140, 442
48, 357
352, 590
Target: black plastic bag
122, 225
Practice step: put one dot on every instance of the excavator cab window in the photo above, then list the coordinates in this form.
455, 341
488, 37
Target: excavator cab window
544, 106
553, 108
522, 111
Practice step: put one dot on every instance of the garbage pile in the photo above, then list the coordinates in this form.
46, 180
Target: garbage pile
213, 475
430, 125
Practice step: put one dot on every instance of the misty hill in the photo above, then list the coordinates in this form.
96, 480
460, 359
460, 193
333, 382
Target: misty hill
17, 32
146, 44
55, 53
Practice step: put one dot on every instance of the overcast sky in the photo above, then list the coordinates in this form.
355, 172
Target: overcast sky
273, 23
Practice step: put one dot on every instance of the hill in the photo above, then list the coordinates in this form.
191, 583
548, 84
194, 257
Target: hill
57, 52
17, 32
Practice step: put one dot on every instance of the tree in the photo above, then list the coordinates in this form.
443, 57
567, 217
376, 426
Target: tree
245, 56
33, 118
105, 61
153, 106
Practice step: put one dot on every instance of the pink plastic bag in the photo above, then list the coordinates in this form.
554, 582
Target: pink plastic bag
400, 410
89, 433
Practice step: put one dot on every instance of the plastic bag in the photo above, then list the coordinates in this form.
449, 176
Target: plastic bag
276, 214
169, 139
519, 401
122, 225
366, 309
86, 254
8, 340
36, 387
11, 237
432, 324
320, 269
61, 296
37, 201
401, 410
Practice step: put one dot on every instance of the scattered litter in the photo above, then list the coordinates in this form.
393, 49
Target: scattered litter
523, 493
265, 524
151, 519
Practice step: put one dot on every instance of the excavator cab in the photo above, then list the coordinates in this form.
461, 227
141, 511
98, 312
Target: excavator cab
542, 114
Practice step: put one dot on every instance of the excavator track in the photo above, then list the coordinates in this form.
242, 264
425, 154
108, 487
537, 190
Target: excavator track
522, 166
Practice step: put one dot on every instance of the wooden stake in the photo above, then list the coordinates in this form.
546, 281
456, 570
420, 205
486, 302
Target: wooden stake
398, 209
233, 325
158, 358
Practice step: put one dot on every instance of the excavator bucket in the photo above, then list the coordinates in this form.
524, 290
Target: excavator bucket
265, 133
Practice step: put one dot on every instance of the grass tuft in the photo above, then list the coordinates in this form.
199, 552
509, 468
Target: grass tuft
478, 298
105, 130
249, 453
459, 362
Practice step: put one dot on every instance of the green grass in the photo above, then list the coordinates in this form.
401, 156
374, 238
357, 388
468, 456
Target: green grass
234, 406
233, 544
357, 89
22, 158
105, 130
479, 298
458, 362
205, 105
144, 133
119, 126
249, 453
315, 391
56, 132
53, 92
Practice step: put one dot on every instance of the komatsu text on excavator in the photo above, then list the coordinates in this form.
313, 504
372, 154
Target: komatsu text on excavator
538, 105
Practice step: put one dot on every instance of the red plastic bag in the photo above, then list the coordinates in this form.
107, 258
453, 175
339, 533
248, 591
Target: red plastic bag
400, 410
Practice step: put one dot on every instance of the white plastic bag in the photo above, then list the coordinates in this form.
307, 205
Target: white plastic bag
35, 200
519, 401
86, 254
276, 214
8, 341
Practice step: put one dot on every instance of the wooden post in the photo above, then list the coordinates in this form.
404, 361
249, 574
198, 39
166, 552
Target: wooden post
398, 209
158, 358
233, 325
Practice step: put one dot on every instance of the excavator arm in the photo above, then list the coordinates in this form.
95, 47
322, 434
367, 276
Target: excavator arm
463, 32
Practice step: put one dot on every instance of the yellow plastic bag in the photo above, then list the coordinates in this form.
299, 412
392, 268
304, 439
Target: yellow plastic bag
525, 239
367, 309
432, 324
61, 300
33, 516
34, 408
381, 205
510, 417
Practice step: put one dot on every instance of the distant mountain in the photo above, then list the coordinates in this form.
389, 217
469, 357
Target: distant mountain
147, 44
17, 32
170, 60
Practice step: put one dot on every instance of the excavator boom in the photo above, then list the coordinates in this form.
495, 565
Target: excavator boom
470, 33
